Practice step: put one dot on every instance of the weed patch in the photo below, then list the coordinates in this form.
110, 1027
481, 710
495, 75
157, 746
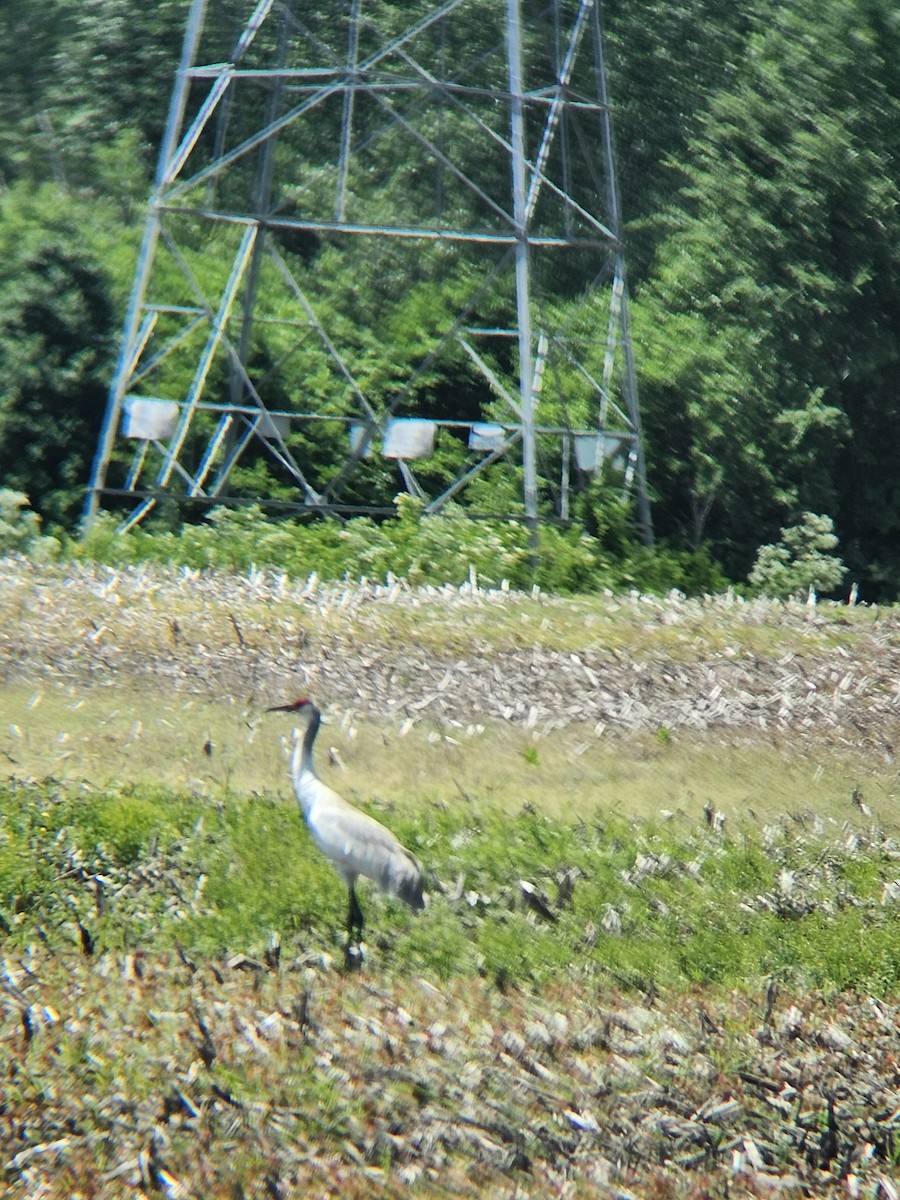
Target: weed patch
521, 899
595, 995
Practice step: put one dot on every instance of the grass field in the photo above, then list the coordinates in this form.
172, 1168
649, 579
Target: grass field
694, 995
121, 734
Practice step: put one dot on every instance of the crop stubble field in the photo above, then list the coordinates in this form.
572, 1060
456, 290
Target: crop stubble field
134, 1064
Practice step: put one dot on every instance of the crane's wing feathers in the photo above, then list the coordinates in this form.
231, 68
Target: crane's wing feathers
357, 844
354, 842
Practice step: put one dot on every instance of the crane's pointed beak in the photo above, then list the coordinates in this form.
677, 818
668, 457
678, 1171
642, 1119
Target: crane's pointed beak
282, 708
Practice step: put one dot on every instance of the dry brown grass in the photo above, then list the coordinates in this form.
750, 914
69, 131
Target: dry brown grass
569, 704
110, 736
139, 1075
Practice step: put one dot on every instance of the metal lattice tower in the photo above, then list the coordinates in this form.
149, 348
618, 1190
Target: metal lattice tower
462, 150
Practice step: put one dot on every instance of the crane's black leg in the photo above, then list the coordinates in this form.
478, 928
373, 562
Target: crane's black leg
356, 916
355, 924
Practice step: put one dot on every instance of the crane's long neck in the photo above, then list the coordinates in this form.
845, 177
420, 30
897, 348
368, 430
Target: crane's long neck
303, 771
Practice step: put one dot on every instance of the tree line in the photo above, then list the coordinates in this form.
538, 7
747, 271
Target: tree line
759, 157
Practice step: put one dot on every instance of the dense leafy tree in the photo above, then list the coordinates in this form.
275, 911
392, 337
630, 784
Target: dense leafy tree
665, 60
802, 562
772, 311
56, 347
30, 38
112, 73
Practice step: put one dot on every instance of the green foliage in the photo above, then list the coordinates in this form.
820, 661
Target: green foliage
75, 77
664, 569
446, 548
256, 841
667, 62
48, 836
650, 906
29, 39
55, 352
760, 164
801, 561
761, 351
124, 826
20, 528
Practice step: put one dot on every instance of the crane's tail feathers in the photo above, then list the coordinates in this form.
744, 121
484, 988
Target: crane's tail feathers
406, 881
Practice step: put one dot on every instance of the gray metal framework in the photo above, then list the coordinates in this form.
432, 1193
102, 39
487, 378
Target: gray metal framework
462, 141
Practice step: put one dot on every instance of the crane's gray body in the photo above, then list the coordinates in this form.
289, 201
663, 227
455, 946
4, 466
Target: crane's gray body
355, 843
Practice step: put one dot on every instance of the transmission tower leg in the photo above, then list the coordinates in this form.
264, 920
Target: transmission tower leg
523, 288
131, 340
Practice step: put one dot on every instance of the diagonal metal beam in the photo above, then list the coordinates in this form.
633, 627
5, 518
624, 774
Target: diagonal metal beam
556, 108
341, 476
143, 271
299, 295
491, 376
220, 320
391, 80
466, 478
506, 145
312, 102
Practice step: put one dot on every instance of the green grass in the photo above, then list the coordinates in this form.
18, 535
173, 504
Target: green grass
654, 904
113, 738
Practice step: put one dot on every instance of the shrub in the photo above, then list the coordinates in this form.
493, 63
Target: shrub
801, 561
421, 548
20, 528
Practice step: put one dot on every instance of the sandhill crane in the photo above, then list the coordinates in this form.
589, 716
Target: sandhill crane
356, 844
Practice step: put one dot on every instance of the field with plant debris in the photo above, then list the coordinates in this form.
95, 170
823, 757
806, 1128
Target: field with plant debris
661, 956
